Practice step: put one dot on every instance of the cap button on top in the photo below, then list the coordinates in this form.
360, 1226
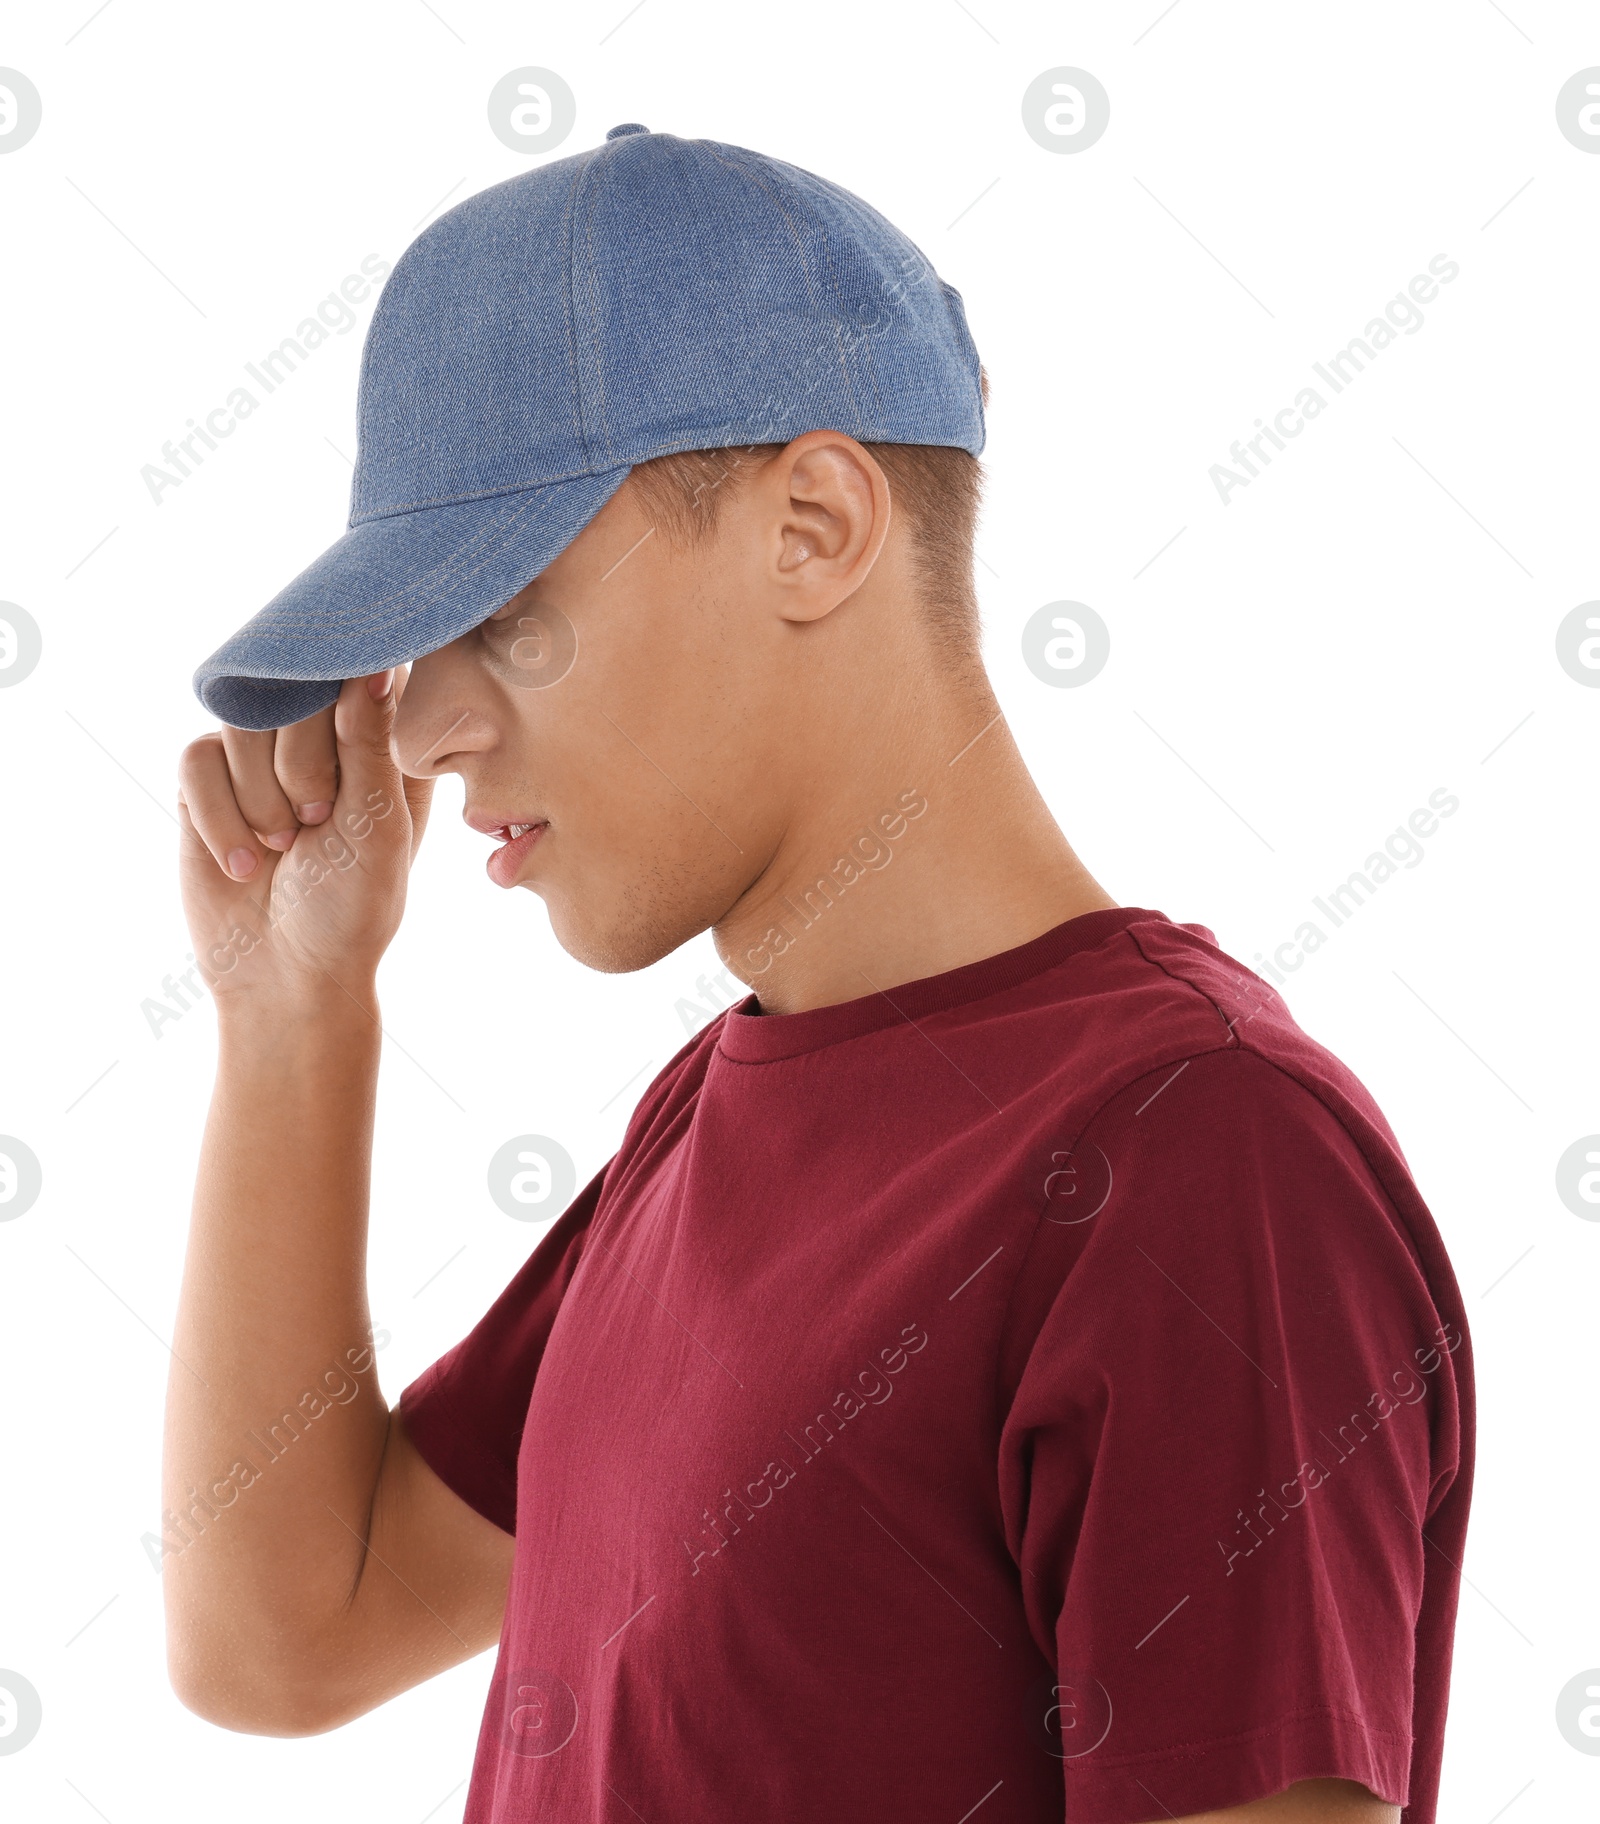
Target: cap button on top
628, 126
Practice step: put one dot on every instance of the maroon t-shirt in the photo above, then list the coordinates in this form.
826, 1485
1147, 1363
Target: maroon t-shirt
1036, 1392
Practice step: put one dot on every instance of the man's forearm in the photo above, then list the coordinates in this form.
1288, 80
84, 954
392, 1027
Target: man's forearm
275, 1427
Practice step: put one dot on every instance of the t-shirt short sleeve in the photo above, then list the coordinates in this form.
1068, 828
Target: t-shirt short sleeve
1229, 1408
465, 1414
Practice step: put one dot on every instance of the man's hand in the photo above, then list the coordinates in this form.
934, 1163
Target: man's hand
296, 846
312, 1563
1307, 1802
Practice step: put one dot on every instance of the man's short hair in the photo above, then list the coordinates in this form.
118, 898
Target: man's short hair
938, 490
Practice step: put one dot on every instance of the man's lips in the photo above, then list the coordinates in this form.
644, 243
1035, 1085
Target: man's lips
516, 838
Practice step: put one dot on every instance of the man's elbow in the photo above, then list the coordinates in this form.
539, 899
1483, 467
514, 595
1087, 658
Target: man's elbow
255, 1693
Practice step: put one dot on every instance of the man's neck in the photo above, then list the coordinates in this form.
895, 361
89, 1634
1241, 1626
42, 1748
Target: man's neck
921, 857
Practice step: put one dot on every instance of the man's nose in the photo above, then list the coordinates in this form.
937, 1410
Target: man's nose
429, 723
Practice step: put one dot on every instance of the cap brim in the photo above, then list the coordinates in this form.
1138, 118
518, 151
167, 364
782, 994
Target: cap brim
389, 591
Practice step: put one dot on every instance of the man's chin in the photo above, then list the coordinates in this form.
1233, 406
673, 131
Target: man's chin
613, 947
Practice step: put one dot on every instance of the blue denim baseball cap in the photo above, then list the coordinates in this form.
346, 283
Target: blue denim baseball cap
652, 295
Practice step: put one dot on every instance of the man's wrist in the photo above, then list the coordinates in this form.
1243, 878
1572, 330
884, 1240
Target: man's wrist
318, 1008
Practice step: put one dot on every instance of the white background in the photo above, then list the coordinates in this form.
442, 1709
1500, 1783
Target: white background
1363, 624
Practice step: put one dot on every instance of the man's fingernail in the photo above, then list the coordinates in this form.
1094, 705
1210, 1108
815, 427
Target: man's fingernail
316, 813
241, 863
381, 684
283, 840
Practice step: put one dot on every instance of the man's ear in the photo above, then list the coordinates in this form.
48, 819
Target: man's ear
826, 502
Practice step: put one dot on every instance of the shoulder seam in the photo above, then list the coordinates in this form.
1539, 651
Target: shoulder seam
1155, 962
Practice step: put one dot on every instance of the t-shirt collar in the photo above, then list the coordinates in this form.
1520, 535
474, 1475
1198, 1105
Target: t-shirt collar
750, 1036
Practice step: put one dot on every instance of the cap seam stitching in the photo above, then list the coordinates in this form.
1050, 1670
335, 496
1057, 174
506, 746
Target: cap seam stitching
816, 290
861, 341
579, 373
844, 334
601, 403
516, 487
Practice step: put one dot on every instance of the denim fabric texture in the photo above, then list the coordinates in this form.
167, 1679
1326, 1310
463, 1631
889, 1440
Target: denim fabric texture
654, 294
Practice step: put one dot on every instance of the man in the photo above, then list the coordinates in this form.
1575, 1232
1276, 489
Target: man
1006, 1370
